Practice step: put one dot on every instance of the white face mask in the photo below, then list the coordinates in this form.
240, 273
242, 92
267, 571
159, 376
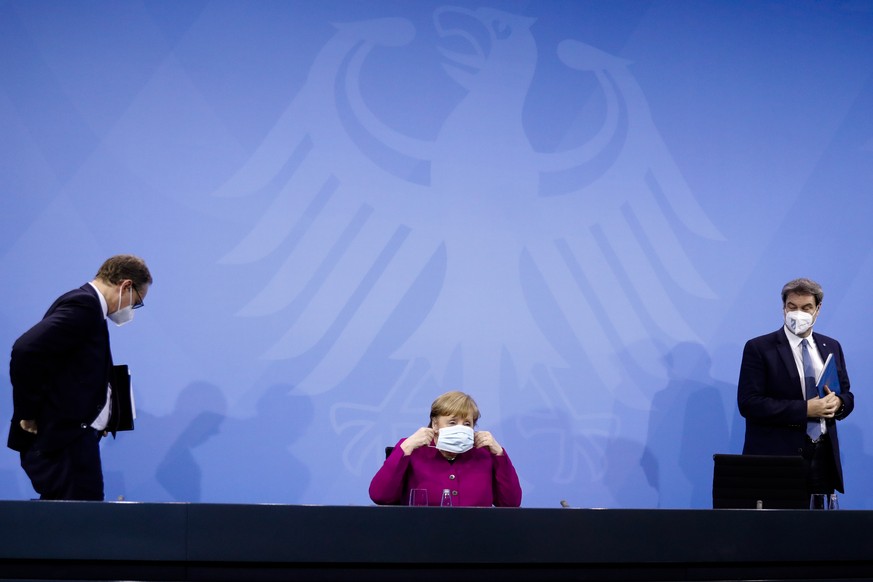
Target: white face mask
122, 316
798, 322
455, 439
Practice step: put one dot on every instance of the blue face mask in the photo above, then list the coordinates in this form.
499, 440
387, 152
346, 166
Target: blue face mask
455, 439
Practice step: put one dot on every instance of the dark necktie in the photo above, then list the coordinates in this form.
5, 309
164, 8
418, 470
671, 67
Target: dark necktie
813, 425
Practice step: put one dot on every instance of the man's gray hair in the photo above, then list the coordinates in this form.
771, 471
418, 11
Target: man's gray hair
803, 287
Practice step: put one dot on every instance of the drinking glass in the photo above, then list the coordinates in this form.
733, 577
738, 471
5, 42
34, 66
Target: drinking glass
833, 501
417, 497
818, 501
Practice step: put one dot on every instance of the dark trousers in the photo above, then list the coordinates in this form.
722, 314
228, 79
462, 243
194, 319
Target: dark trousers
72, 473
821, 470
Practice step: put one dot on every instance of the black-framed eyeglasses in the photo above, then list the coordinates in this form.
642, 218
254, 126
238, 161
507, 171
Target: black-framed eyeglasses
139, 302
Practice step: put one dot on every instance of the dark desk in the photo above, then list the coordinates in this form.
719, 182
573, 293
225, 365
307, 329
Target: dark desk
178, 541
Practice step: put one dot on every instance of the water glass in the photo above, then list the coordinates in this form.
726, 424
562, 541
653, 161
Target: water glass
833, 501
418, 497
818, 501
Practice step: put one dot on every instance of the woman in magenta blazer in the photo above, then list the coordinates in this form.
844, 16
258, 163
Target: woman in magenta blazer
475, 469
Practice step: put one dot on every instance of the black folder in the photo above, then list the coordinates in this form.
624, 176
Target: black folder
123, 394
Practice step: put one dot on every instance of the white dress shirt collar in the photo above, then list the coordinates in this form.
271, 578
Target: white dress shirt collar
102, 299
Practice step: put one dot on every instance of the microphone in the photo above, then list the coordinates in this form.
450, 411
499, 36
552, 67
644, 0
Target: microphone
564, 503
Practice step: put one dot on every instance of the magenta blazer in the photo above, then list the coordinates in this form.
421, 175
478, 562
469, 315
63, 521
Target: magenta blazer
476, 478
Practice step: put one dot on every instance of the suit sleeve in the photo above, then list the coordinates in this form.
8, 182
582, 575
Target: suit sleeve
762, 393
846, 394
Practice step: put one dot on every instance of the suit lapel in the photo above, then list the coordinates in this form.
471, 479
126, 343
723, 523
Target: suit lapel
787, 356
824, 347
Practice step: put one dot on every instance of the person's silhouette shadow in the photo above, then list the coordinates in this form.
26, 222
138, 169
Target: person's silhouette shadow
687, 425
250, 461
142, 465
179, 472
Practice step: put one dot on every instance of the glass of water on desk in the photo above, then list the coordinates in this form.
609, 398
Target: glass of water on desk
418, 497
824, 501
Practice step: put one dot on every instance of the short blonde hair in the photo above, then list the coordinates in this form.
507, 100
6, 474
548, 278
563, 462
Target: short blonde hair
454, 404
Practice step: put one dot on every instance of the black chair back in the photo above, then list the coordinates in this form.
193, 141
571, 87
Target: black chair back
741, 481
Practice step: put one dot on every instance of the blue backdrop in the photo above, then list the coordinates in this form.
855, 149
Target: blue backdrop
576, 211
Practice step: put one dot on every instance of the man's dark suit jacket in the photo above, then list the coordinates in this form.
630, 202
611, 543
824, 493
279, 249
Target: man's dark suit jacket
771, 399
59, 370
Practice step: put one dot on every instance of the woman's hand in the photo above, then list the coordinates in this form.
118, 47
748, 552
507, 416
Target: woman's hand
483, 438
421, 438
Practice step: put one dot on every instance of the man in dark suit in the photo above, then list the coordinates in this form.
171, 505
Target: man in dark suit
776, 392
60, 371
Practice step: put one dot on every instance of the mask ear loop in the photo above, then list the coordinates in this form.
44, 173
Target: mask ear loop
436, 434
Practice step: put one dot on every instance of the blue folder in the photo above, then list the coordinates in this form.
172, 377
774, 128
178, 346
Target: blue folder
828, 377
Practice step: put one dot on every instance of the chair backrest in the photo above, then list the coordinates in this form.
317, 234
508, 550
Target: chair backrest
388, 451
741, 481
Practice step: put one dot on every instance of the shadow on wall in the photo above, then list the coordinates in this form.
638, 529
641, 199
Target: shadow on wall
687, 425
250, 459
155, 462
179, 472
